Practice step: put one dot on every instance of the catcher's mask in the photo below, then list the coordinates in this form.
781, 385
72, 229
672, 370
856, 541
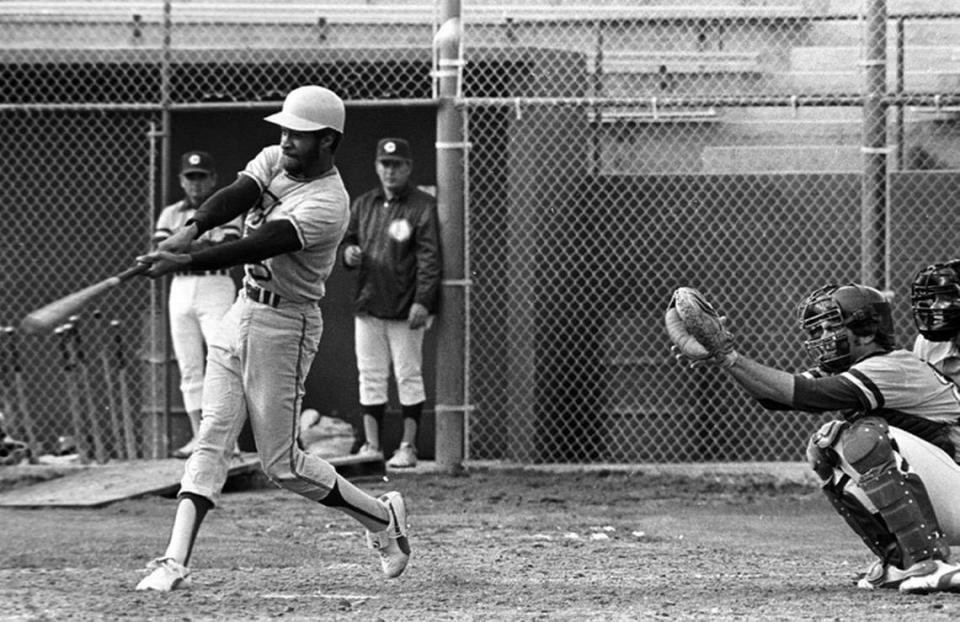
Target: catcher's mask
823, 313
935, 300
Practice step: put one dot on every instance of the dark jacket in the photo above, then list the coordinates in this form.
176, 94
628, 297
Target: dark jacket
400, 240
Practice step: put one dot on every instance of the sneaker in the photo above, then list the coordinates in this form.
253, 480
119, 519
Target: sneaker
166, 575
404, 458
392, 543
370, 452
881, 575
931, 575
13, 452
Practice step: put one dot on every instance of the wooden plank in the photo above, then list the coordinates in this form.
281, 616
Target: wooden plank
98, 485
354, 468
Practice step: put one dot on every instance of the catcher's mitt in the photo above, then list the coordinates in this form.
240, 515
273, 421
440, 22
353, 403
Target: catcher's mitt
696, 329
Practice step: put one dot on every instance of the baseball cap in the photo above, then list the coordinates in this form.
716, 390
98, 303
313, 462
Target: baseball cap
196, 162
393, 149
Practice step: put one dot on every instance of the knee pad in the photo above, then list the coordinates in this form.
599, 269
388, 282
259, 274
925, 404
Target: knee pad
867, 445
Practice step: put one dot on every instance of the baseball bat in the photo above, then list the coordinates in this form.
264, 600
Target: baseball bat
73, 393
114, 411
26, 423
129, 433
49, 316
86, 392
5, 383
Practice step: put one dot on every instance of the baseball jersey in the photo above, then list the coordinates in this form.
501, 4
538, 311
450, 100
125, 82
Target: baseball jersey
944, 355
319, 210
899, 387
173, 216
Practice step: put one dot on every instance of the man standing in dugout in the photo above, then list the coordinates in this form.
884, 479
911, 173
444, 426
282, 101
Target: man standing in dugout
393, 243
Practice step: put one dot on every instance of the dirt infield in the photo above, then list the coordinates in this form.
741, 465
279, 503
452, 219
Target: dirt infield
493, 544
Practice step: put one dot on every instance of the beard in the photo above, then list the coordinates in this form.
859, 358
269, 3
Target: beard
299, 164
292, 165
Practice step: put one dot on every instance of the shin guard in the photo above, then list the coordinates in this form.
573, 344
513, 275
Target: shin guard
901, 503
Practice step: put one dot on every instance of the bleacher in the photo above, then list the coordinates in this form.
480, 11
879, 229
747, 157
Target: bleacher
486, 11
676, 48
402, 11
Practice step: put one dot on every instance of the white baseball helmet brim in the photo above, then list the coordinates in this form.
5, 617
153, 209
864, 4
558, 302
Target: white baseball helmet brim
293, 122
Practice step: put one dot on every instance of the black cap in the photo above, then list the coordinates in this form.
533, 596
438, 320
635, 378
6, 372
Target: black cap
393, 149
196, 162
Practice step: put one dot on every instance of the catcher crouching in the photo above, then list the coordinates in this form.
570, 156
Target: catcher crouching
888, 464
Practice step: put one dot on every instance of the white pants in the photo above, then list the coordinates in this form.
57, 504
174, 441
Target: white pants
379, 343
257, 364
196, 306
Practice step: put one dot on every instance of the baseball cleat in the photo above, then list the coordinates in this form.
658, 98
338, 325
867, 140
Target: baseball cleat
166, 575
404, 458
931, 575
881, 575
391, 543
369, 452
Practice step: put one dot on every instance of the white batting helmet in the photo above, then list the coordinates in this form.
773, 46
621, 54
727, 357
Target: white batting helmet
310, 108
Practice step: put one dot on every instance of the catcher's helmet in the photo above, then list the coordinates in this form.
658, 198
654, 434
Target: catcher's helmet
935, 300
309, 109
862, 309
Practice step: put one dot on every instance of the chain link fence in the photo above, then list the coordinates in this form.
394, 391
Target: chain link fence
617, 150
629, 150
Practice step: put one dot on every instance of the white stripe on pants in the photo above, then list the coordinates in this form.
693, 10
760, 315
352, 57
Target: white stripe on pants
257, 364
379, 343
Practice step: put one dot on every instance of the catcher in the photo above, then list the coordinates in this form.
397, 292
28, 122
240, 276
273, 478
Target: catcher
889, 462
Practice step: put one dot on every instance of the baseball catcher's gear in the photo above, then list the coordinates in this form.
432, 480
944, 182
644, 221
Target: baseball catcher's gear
935, 300
823, 313
901, 528
696, 329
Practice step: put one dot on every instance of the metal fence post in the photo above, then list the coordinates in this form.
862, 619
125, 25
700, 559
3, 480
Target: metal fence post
451, 408
873, 198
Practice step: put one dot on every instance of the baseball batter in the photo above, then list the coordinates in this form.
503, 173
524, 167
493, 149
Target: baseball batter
889, 465
198, 298
297, 211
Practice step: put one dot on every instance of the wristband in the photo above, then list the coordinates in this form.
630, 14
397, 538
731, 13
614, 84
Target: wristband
729, 360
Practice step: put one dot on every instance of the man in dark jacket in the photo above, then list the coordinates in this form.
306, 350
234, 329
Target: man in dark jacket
394, 241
